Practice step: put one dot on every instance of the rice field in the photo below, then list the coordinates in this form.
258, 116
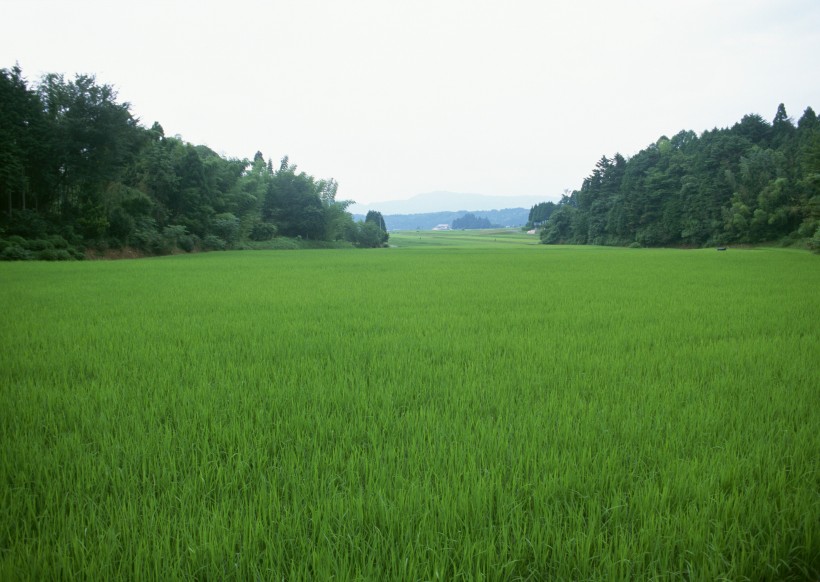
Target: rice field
468, 408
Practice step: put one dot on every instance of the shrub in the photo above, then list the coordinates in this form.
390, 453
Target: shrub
263, 231
120, 225
635, 245
172, 233
226, 227
76, 253
370, 235
213, 243
47, 255
186, 243
814, 242
58, 242
37, 245
147, 238
15, 253
28, 224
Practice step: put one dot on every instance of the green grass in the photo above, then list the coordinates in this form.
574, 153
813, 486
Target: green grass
461, 238
463, 406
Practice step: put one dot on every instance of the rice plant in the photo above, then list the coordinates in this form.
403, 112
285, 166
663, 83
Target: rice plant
453, 408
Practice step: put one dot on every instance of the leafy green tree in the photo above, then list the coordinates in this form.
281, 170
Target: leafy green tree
750, 183
471, 221
226, 227
559, 228
22, 135
369, 235
783, 129
293, 203
263, 231
92, 139
540, 213
338, 221
376, 219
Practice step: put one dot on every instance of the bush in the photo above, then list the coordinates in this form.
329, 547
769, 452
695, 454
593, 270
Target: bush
370, 235
37, 245
213, 243
74, 239
58, 242
172, 233
73, 252
120, 225
263, 231
226, 227
635, 245
186, 243
15, 253
28, 224
147, 238
47, 255
814, 242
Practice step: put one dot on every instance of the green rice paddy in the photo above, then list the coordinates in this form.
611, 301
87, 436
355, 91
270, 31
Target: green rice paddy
459, 407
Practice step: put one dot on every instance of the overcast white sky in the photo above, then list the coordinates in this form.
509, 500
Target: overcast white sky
396, 98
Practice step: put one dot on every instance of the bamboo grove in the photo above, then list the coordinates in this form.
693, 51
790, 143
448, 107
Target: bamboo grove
78, 170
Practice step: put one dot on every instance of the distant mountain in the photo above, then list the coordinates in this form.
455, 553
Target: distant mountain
447, 201
427, 220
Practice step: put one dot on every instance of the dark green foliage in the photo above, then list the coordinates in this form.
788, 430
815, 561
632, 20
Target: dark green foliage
52, 248
27, 223
376, 218
372, 232
292, 201
226, 227
756, 182
369, 235
15, 252
74, 162
262, 231
186, 243
814, 242
471, 221
540, 213
147, 238
37, 245
47, 255
213, 243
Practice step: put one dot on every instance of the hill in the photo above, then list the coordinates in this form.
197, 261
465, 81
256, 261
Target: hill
442, 201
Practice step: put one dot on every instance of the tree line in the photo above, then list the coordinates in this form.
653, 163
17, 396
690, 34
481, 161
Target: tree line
470, 221
78, 171
752, 183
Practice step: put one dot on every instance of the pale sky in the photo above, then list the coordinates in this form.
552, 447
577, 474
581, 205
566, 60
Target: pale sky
397, 98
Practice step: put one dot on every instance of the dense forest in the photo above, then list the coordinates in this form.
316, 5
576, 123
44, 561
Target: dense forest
756, 182
78, 172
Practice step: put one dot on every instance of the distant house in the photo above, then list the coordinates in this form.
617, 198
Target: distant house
442, 227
